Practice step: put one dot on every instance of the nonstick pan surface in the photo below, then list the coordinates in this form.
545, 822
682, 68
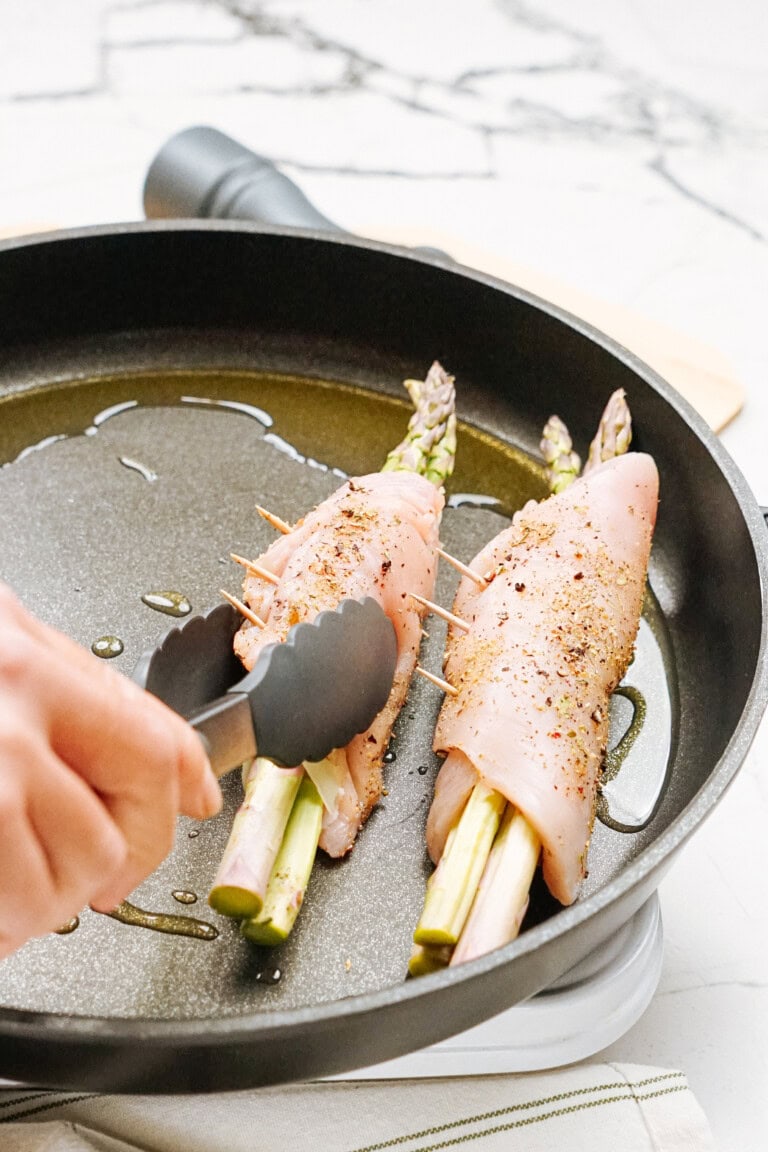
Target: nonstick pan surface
157, 381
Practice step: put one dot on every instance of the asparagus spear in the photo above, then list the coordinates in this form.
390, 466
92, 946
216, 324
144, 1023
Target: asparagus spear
454, 882
614, 432
243, 875
292, 868
502, 896
557, 449
426, 958
505, 869
269, 907
429, 447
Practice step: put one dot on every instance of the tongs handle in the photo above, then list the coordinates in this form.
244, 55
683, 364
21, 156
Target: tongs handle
225, 727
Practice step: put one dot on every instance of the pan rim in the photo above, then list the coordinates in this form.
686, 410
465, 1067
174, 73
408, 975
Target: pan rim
96, 1031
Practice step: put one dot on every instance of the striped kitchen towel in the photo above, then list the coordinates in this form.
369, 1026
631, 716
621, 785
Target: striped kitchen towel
587, 1108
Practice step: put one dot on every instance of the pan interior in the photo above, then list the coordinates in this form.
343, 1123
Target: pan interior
145, 482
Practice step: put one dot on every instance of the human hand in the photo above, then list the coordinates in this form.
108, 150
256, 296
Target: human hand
93, 772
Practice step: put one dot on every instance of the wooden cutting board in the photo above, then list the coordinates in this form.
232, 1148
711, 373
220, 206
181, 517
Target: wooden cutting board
699, 372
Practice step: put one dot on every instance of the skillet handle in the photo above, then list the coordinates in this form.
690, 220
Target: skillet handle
202, 173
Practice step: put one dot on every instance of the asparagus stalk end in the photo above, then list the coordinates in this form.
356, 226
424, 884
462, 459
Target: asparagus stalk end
272, 923
232, 900
257, 832
453, 884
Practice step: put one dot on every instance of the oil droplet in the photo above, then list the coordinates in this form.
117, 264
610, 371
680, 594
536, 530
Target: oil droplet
265, 977
390, 757
107, 647
194, 833
184, 897
422, 769
171, 603
137, 466
163, 922
70, 926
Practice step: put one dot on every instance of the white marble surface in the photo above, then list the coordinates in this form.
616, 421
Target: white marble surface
620, 146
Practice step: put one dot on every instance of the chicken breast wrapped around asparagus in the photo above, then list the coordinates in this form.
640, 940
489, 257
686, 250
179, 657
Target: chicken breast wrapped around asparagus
376, 536
551, 627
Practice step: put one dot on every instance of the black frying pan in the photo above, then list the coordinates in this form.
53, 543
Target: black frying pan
318, 332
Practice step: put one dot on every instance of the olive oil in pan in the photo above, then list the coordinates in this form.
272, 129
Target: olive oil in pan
641, 745
169, 603
107, 647
616, 756
182, 896
171, 923
69, 927
137, 466
343, 428
269, 976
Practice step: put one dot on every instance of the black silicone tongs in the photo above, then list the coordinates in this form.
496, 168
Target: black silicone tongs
303, 697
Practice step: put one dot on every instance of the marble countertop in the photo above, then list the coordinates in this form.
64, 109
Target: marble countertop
622, 148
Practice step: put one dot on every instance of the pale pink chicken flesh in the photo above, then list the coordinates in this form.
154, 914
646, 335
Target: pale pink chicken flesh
375, 536
552, 633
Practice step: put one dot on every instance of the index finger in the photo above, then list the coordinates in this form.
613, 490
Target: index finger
115, 734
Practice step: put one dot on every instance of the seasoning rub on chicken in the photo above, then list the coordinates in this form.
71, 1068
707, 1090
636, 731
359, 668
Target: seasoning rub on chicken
550, 616
375, 536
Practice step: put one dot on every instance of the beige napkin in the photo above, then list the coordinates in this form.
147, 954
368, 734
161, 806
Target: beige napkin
586, 1108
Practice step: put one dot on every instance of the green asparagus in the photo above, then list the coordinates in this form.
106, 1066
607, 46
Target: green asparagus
614, 432
557, 449
291, 871
241, 882
429, 447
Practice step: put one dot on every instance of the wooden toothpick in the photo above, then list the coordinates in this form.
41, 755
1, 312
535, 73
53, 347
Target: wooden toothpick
243, 609
275, 521
256, 569
443, 684
463, 568
438, 611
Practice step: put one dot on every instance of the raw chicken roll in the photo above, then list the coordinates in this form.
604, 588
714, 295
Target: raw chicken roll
375, 536
551, 634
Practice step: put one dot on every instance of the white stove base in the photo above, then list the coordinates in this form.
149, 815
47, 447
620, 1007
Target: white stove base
587, 1009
